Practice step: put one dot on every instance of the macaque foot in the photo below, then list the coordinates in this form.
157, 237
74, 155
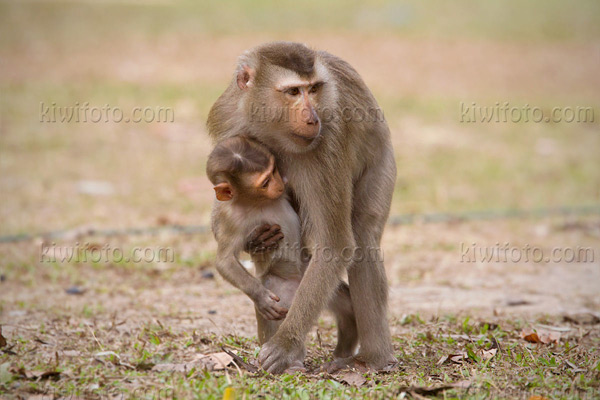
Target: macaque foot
339, 364
276, 359
298, 366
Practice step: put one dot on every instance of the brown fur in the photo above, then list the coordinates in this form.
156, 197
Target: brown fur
280, 271
352, 163
224, 165
292, 56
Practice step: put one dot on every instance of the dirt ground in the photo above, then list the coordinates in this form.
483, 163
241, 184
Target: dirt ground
132, 317
429, 272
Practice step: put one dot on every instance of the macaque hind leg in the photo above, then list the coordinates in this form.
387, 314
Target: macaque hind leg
366, 275
341, 306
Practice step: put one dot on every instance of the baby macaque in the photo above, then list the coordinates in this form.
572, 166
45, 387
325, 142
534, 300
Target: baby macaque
251, 192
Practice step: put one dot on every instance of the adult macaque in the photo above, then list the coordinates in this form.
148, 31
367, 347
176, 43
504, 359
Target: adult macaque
316, 115
250, 191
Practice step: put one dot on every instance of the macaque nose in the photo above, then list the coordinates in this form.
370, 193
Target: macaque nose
309, 115
313, 118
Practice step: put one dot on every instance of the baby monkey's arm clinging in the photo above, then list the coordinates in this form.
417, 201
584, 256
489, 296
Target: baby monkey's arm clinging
234, 272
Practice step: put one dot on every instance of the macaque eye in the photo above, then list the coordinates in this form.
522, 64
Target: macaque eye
293, 91
266, 183
315, 88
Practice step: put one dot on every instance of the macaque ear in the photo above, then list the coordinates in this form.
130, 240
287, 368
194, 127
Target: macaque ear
224, 191
245, 77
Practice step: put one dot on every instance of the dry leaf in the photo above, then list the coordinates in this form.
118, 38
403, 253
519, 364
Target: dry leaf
172, 367
583, 318
538, 398
353, 378
38, 375
210, 362
487, 354
218, 361
455, 358
458, 358
442, 360
240, 361
530, 336
541, 336
2, 338
549, 337
431, 391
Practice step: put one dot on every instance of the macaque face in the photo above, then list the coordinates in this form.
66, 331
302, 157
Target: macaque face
301, 97
256, 187
267, 184
285, 108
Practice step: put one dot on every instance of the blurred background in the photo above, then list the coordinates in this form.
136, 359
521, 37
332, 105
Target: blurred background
420, 59
424, 61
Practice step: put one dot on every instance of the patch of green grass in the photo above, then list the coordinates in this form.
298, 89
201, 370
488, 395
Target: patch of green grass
425, 348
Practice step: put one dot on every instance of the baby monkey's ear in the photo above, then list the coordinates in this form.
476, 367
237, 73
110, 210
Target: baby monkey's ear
224, 191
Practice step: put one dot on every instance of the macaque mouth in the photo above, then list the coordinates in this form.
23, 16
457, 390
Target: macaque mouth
304, 139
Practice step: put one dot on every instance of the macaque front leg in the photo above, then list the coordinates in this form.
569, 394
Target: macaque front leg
286, 347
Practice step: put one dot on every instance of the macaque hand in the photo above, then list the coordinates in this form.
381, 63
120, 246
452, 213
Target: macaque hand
263, 239
277, 356
268, 308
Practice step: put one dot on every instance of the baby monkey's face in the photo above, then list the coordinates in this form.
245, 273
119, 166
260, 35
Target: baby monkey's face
268, 184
